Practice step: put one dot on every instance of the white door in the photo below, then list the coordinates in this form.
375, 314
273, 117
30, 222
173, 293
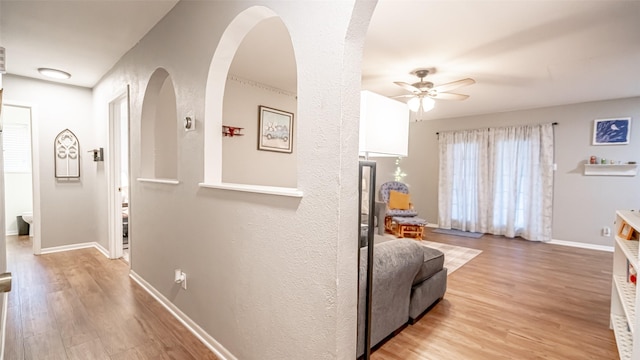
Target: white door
118, 158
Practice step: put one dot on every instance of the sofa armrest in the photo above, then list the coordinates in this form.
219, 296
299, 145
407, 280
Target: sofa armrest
396, 264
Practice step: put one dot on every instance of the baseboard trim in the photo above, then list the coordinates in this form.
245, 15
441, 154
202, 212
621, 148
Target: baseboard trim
580, 245
71, 247
565, 243
11, 233
194, 328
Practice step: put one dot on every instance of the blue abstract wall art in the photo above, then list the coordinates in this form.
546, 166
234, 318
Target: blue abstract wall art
611, 131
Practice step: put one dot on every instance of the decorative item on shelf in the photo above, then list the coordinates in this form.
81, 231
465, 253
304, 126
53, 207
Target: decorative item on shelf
611, 131
633, 274
67, 155
275, 130
592, 160
231, 131
627, 232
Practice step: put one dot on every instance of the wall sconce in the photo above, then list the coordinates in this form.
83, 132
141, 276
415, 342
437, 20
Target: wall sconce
98, 154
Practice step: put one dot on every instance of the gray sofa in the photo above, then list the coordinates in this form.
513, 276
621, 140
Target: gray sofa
407, 279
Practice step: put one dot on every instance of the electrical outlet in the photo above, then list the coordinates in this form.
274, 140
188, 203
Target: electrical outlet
184, 281
606, 231
180, 278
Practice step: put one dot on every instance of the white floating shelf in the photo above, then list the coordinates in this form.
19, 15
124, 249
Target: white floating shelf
611, 169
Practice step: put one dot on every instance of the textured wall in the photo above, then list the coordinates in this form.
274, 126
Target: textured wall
242, 163
269, 277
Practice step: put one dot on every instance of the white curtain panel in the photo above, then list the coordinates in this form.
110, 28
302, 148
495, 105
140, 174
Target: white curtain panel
497, 181
462, 183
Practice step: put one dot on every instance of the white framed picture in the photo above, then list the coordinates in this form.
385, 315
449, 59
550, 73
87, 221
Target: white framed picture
614, 131
275, 130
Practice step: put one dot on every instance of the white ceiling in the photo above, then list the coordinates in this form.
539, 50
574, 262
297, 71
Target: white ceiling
85, 38
523, 54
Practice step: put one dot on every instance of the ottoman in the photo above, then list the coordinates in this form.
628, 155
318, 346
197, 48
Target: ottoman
430, 283
408, 226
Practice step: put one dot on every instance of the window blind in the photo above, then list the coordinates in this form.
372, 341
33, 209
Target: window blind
17, 148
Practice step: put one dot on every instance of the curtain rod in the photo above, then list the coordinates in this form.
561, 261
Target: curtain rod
553, 123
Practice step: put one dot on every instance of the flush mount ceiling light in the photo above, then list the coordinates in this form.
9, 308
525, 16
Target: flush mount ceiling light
54, 74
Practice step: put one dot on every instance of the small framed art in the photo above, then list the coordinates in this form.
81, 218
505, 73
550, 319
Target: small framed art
611, 131
275, 130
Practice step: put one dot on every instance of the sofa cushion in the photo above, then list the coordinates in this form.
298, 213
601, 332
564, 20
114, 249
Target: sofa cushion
433, 262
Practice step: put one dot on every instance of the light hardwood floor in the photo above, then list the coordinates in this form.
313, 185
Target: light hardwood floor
516, 300
81, 305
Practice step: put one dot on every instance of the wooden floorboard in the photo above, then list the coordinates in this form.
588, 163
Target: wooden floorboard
81, 305
516, 300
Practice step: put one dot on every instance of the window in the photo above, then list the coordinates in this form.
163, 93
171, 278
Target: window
17, 148
497, 180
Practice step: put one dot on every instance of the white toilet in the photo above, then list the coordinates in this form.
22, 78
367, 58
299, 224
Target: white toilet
28, 218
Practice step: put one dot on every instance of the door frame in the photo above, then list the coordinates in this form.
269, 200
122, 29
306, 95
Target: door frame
115, 200
35, 172
35, 189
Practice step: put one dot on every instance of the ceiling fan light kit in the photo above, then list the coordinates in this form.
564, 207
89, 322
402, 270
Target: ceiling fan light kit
424, 92
426, 103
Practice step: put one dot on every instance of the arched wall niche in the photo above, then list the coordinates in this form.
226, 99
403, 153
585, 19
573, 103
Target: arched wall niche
159, 139
247, 71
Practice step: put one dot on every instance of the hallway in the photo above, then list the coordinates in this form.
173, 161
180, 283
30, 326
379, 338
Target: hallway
81, 305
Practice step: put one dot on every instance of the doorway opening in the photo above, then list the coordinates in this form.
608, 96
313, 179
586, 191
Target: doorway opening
119, 203
21, 206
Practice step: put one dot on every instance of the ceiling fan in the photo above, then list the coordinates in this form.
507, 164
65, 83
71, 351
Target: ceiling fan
424, 92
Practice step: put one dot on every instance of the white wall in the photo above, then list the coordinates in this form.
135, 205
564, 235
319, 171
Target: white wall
242, 163
582, 204
68, 208
270, 277
166, 130
18, 190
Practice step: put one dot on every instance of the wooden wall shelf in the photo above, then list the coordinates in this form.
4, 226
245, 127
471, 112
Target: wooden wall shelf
611, 169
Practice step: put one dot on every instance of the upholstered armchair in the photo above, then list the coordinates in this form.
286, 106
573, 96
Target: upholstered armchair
398, 203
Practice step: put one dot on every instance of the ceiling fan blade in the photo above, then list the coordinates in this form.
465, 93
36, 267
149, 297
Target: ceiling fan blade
403, 96
454, 85
450, 96
408, 87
